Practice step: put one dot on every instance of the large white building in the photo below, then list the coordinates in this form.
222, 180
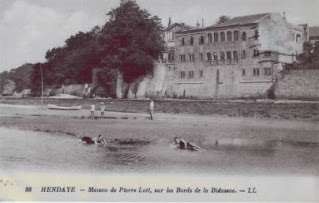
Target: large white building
239, 58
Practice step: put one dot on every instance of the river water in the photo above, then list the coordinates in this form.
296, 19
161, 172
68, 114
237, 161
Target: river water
39, 151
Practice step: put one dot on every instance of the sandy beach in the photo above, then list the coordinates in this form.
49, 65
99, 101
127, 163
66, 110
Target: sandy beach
281, 109
165, 126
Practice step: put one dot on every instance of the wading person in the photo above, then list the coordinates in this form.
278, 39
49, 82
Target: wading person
95, 140
151, 108
102, 108
99, 140
182, 144
88, 140
92, 110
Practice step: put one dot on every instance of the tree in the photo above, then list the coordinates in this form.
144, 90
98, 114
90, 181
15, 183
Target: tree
131, 40
73, 63
21, 76
223, 19
309, 59
3, 78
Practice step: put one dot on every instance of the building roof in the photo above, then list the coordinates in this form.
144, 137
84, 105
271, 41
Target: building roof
188, 27
314, 31
240, 20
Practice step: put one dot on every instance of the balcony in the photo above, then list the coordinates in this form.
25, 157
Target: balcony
268, 56
222, 62
165, 61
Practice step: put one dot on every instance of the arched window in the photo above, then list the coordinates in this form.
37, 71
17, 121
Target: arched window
216, 37
235, 54
171, 56
210, 37
222, 37
192, 41
215, 56
222, 56
298, 38
244, 36
228, 54
229, 36
183, 41
201, 40
209, 56
256, 34
243, 54
236, 35
256, 53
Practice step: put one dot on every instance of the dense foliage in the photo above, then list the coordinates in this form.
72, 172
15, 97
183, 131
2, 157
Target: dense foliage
73, 63
129, 42
309, 59
223, 19
20, 76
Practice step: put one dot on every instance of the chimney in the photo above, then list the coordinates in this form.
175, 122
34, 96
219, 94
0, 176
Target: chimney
202, 22
284, 15
197, 25
169, 21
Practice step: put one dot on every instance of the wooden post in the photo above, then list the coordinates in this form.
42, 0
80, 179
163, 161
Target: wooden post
41, 85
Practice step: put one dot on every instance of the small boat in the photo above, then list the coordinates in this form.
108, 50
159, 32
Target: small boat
56, 107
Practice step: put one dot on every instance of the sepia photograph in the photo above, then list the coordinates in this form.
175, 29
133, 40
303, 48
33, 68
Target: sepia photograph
172, 100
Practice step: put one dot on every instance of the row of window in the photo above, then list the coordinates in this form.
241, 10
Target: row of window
215, 56
220, 37
221, 56
190, 74
256, 72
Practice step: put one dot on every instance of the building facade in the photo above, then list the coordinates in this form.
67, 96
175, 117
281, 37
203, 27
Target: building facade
239, 58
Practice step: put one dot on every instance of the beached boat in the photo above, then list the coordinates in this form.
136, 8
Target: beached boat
56, 107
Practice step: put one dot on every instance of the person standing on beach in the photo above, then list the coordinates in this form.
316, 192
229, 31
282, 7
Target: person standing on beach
102, 108
92, 110
151, 108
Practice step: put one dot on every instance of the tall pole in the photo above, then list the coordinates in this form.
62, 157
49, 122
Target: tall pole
41, 85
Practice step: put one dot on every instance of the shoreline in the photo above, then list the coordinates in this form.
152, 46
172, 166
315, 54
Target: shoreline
281, 110
165, 125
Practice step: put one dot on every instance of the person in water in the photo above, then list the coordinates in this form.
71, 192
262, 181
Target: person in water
99, 140
88, 140
182, 144
95, 140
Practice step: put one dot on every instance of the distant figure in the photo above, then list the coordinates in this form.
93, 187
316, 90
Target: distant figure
88, 91
151, 108
102, 108
182, 144
92, 110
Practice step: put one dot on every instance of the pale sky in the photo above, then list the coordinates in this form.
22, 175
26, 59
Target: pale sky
28, 28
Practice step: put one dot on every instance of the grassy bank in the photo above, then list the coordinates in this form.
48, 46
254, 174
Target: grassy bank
306, 111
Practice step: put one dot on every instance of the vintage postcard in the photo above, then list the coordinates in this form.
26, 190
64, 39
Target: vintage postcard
173, 100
